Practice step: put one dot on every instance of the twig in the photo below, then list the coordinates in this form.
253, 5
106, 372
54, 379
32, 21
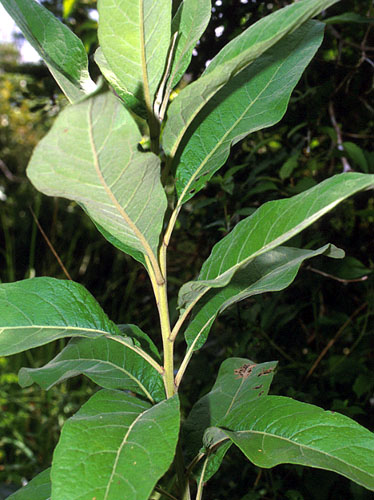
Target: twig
345, 162
358, 136
8, 174
341, 280
165, 493
334, 339
65, 271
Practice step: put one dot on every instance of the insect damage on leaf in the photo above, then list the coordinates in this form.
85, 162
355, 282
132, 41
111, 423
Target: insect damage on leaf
265, 372
244, 371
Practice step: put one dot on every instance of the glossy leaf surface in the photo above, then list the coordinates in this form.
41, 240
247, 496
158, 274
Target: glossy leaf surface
276, 430
271, 225
91, 156
115, 446
232, 59
189, 22
108, 363
134, 36
61, 49
256, 98
238, 380
270, 272
37, 311
39, 488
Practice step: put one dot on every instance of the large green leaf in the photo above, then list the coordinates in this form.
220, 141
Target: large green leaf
39, 488
37, 311
256, 98
238, 380
275, 430
62, 51
232, 59
115, 447
108, 363
271, 225
189, 22
91, 156
270, 272
134, 37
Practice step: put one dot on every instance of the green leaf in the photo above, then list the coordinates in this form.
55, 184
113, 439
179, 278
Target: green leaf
91, 156
62, 51
134, 37
271, 225
189, 22
135, 105
349, 17
37, 311
256, 98
144, 340
275, 430
357, 155
105, 362
39, 488
116, 446
238, 380
270, 272
232, 59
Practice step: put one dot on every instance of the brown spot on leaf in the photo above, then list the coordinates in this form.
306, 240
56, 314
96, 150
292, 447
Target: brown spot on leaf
265, 372
244, 371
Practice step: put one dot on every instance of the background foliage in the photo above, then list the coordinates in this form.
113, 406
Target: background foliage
320, 329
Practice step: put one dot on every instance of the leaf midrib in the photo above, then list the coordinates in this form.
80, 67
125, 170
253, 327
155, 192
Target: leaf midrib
121, 211
147, 95
124, 441
265, 434
229, 130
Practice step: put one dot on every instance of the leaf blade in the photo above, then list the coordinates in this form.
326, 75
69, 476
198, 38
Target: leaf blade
279, 430
265, 87
189, 22
270, 226
39, 488
135, 50
233, 58
91, 156
134, 447
229, 388
105, 362
40, 310
61, 49
270, 272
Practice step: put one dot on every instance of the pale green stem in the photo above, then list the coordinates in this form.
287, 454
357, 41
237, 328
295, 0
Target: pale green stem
183, 366
168, 345
200, 487
160, 293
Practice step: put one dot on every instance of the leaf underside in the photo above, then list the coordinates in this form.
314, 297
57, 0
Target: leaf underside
91, 156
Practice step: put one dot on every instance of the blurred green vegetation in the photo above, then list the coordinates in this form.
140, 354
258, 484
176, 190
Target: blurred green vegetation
320, 329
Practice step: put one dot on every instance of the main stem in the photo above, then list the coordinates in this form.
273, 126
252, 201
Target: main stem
163, 310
